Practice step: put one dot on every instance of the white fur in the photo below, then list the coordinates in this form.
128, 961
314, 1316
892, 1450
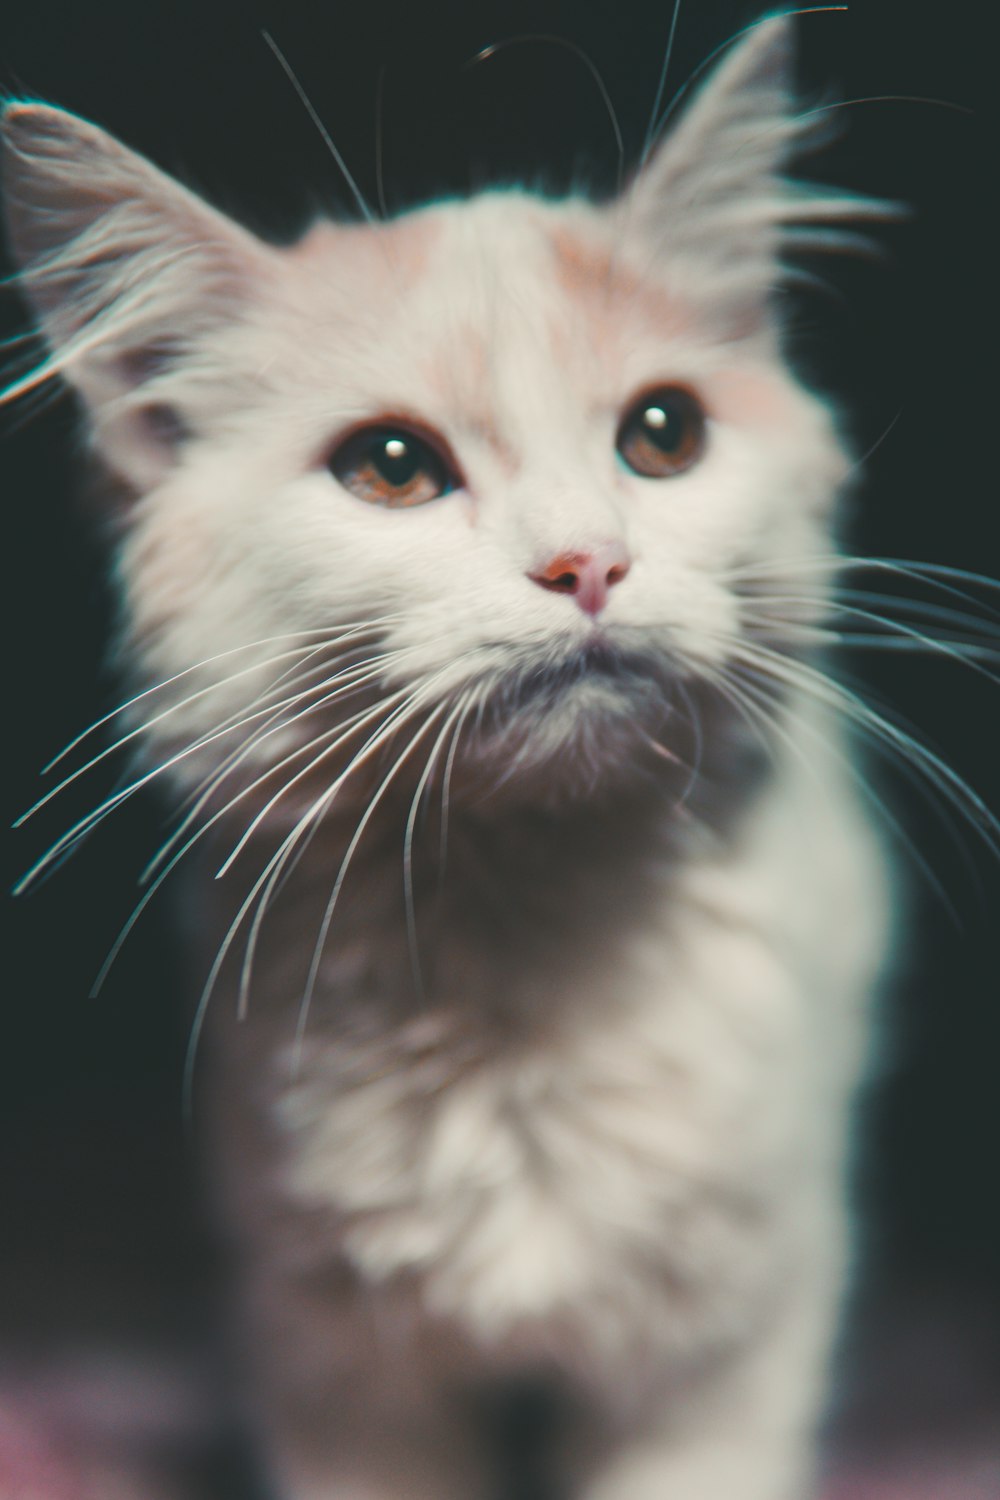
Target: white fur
659, 1107
604, 1135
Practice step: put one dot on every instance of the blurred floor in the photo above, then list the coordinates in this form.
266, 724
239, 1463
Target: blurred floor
112, 1386
920, 1420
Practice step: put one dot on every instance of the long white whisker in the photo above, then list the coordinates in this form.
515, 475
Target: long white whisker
220, 957
879, 804
90, 821
932, 575
758, 713
331, 906
474, 696
834, 695
901, 627
384, 732
408, 895
207, 661
344, 731
262, 814
892, 608
288, 856
84, 825
143, 728
324, 134
352, 675
694, 719
357, 677
651, 128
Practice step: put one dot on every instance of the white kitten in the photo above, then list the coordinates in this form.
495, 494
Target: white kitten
471, 564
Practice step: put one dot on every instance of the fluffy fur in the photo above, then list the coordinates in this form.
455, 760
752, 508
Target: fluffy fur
540, 968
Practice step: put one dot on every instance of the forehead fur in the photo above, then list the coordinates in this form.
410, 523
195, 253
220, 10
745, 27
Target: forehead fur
461, 308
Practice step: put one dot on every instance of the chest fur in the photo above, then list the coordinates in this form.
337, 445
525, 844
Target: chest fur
647, 1146
633, 1157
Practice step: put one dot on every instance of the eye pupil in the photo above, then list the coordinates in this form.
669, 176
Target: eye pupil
662, 429
662, 434
396, 460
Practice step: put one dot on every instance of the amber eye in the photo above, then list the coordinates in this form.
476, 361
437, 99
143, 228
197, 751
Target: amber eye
663, 432
391, 466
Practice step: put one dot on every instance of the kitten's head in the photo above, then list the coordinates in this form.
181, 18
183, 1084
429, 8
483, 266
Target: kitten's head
504, 460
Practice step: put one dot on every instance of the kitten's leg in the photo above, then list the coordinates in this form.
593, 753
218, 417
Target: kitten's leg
745, 1433
377, 1456
357, 1447
363, 1399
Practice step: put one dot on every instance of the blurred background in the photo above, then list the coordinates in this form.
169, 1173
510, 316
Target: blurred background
108, 1275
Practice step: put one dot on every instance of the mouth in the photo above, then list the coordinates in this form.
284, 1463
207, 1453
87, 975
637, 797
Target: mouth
568, 688
597, 659
576, 718
601, 656
604, 713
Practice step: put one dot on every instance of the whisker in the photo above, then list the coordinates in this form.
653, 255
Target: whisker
275, 870
694, 719
706, 63
85, 824
275, 864
859, 463
758, 713
932, 575
288, 856
870, 795
959, 109
471, 699
936, 771
578, 52
932, 644
208, 661
972, 624
651, 128
324, 134
226, 944
263, 812
408, 895
115, 800
348, 728
380, 143
139, 729
352, 675
331, 907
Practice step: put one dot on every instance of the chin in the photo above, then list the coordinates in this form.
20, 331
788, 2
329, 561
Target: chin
592, 726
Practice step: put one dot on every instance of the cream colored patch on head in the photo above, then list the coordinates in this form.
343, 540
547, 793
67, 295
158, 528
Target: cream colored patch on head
401, 247
599, 277
344, 275
460, 375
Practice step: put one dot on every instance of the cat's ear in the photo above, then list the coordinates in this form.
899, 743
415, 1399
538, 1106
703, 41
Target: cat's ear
712, 201
125, 270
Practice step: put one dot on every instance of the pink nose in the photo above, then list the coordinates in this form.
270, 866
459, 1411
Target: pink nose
588, 576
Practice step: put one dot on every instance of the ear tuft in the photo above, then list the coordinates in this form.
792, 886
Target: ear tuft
55, 167
125, 270
713, 200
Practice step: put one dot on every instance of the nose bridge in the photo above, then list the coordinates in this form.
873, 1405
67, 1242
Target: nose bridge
571, 537
563, 515
561, 499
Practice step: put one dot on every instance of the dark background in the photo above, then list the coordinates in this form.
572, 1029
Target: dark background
93, 1149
